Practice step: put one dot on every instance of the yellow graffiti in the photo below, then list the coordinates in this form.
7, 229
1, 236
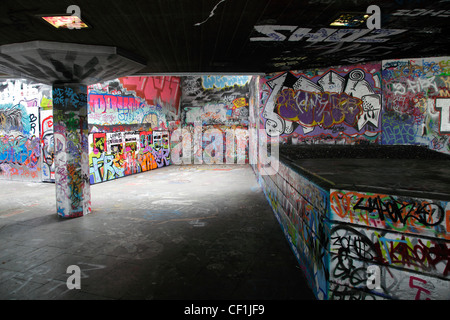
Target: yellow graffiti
239, 103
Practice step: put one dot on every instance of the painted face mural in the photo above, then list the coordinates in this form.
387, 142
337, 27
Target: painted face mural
48, 148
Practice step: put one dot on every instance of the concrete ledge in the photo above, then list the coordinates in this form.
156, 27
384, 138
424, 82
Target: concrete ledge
343, 215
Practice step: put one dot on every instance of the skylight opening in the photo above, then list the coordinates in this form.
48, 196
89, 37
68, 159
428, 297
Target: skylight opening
350, 19
65, 22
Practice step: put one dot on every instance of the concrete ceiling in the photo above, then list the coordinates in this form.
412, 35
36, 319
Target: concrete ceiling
238, 36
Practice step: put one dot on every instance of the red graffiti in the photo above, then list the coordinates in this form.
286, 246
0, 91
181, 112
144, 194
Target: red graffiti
154, 90
419, 289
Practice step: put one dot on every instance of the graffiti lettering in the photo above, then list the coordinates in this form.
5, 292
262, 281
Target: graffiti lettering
324, 109
101, 103
275, 33
443, 106
393, 212
115, 155
314, 106
220, 82
415, 92
422, 12
156, 90
428, 214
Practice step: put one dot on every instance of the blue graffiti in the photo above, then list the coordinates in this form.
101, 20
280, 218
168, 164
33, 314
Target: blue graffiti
110, 170
220, 82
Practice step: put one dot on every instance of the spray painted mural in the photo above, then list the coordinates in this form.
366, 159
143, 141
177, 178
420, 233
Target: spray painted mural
213, 127
214, 119
127, 134
416, 95
118, 154
339, 105
20, 135
163, 91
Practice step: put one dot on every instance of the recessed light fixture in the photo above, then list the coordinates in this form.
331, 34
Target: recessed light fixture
350, 19
65, 21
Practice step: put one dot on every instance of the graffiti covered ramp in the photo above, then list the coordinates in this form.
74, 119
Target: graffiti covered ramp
348, 211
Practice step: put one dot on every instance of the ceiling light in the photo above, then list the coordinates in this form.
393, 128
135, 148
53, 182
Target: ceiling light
350, 19
65, 22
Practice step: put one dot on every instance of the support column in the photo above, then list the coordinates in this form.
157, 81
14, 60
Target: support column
73, 195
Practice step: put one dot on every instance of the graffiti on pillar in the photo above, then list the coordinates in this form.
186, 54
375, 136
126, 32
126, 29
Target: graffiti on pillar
71, 150
316, 106
416, 96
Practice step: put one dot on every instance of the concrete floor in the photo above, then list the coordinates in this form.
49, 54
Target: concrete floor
191, 232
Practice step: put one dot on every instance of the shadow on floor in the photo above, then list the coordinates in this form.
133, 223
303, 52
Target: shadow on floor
193, 232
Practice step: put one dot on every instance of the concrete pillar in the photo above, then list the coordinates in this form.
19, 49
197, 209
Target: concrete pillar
73, 195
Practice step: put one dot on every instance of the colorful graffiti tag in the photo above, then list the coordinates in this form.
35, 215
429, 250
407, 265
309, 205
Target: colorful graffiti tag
407, 237
115, 155
419, 216
411, 267
416, 98
161, 91
127, 134
20, 153
341, 104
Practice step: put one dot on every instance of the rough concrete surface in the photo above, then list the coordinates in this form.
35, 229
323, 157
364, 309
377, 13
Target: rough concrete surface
180, 232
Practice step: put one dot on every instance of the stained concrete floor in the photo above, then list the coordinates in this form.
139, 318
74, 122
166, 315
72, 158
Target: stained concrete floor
191, 232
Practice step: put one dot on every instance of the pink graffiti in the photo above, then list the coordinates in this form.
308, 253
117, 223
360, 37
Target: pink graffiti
101, 103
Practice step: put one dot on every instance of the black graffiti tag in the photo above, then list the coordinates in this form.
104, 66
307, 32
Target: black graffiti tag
426, 213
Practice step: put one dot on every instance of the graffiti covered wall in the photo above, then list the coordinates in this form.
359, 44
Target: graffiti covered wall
128, 134
20, 135
406, 238
339, 235
301, 208
128, 130
416, 96
214, 113
338, 105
